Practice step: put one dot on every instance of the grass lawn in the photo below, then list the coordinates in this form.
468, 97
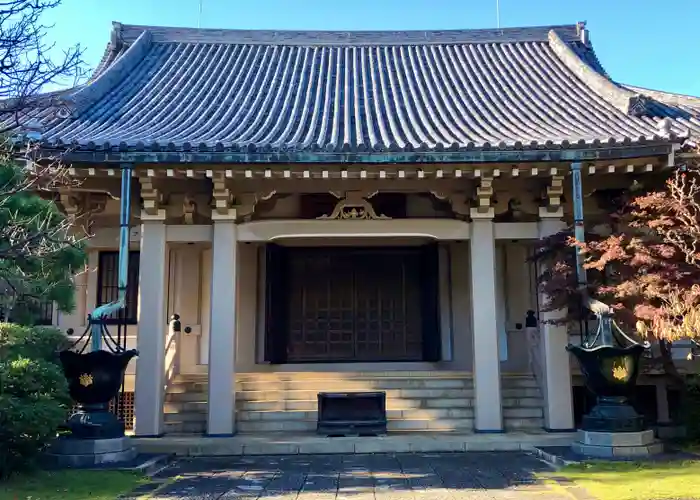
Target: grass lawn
70, 485
636, 481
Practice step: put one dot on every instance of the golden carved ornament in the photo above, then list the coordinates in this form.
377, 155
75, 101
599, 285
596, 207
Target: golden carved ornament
354, 205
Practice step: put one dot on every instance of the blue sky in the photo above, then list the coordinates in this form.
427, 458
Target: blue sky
649, 43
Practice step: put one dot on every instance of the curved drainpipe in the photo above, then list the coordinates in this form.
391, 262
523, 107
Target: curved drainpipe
101, 312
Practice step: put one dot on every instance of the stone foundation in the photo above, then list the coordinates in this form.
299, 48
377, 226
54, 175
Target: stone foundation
617, 444
79, 453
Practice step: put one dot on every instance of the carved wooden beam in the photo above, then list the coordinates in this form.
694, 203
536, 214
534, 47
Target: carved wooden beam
246, 203
72, 202
459, 202
354, 205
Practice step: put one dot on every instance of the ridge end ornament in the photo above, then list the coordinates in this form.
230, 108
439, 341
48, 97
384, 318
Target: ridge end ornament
354, 205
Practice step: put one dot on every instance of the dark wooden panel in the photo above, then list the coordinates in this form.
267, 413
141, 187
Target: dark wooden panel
276, 303
430, 293
355, 304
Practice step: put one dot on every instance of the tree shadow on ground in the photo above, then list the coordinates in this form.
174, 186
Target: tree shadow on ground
329, 476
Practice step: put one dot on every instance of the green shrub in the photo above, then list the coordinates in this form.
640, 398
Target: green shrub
34, 396
36, 342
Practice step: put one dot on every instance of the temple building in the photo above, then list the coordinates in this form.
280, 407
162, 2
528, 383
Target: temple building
335, 211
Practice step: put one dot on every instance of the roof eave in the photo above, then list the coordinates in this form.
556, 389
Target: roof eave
476, 156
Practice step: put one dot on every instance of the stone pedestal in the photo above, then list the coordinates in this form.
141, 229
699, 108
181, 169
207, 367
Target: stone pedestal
80, 453
617, 444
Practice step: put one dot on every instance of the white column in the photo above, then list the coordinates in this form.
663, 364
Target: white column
487, 370
558, 409
222, 328
150, 364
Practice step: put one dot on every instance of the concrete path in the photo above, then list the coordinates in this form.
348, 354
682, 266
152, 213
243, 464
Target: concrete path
420, 476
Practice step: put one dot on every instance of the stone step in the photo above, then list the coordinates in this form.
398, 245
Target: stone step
519, 382
185, 416
522, 402
196, 422
335, 385
335, 375
176, 405
515, 424
194, 427
463, 424
412, 414
522, 412
521, 392
309, 395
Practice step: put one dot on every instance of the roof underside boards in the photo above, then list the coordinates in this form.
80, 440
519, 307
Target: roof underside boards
353, 92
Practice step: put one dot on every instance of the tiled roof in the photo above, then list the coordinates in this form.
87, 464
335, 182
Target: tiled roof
683, 109
352, 91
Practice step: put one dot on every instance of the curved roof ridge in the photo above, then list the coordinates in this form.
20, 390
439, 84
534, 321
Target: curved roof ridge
625, 100
164, 34
664, 96
111, 74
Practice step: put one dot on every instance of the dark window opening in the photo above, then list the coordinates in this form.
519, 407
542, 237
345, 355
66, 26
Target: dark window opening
108, 285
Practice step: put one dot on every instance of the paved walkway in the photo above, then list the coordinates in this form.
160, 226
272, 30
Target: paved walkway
420, 476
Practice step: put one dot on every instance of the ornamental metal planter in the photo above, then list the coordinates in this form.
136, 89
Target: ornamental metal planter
611, 374
610, 369
94, 379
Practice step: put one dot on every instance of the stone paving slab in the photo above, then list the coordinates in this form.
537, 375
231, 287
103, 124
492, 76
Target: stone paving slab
409, 476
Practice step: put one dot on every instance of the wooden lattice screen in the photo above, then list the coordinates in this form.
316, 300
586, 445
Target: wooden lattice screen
127, 406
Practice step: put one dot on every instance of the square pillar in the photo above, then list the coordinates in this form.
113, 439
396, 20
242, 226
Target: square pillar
558, 407
222, 327
487, 370
150, 364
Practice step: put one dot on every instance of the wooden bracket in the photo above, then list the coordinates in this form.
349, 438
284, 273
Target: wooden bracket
553, 198
484, 195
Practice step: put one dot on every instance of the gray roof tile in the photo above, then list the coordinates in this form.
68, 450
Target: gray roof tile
353, 91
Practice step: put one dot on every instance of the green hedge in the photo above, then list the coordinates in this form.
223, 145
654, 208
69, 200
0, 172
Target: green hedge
34, 398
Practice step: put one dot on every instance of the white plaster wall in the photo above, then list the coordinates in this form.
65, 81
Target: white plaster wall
518, 297
461, 307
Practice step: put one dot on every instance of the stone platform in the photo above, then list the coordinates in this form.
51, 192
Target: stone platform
83, 453
617, 444
271, 443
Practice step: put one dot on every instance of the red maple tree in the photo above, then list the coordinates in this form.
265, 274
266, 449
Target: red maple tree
645, 263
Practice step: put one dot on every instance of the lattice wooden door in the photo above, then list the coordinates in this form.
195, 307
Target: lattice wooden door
354, 304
